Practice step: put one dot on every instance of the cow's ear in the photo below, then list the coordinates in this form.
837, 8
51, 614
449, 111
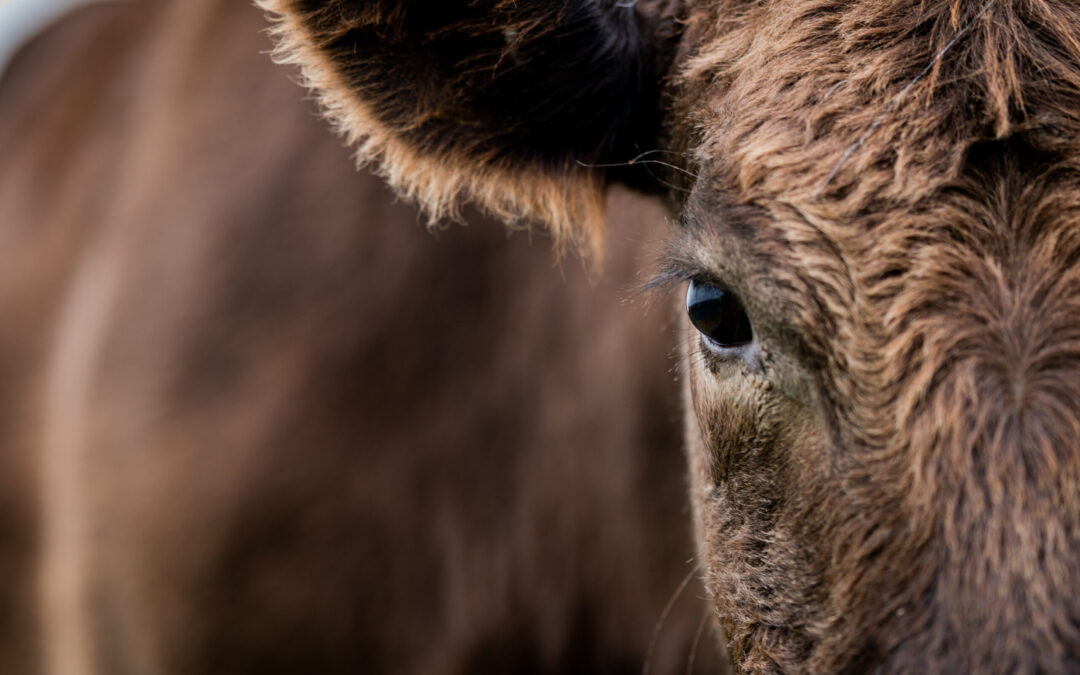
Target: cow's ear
510, 104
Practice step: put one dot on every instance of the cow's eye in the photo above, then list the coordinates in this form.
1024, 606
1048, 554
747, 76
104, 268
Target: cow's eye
718, 315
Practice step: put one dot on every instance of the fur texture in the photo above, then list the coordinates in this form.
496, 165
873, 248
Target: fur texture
890, 480
253, 419
510, 105
896, 485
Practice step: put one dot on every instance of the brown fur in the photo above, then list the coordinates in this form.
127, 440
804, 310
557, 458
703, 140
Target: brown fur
564, 201
516, 168
890, 480
301, 434
922, 513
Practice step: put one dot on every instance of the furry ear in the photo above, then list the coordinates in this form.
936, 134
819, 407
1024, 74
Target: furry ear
510, 104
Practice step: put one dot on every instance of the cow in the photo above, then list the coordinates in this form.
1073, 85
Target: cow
874, 208
254, 418
878, 226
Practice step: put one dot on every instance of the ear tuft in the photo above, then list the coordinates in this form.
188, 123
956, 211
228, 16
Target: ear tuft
508, 104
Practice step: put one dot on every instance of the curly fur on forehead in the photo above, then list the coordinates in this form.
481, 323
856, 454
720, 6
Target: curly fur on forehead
889, 95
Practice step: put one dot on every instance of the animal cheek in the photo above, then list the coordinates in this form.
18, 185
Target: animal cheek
756, 454
759, 486
731, 416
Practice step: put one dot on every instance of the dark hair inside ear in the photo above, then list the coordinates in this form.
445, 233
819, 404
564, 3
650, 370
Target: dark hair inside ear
544, 82
476, 99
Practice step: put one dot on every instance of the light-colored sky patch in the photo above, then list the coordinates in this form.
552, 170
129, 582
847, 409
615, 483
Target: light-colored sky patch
21, 20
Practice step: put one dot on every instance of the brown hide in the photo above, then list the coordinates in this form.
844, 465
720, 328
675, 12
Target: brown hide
879, 205
256, 419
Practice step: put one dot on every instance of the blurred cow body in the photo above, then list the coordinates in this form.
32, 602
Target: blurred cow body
256, 419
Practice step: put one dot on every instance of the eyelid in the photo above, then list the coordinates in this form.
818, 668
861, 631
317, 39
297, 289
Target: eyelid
677, 269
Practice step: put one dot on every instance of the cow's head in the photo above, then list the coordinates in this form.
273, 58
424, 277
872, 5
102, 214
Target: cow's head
880, 232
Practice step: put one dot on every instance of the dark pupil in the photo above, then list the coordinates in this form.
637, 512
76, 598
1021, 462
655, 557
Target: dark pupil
718, 315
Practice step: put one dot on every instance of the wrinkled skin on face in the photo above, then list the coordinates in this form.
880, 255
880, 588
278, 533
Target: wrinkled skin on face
888, 478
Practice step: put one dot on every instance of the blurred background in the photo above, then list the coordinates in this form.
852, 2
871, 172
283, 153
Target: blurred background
256, 418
